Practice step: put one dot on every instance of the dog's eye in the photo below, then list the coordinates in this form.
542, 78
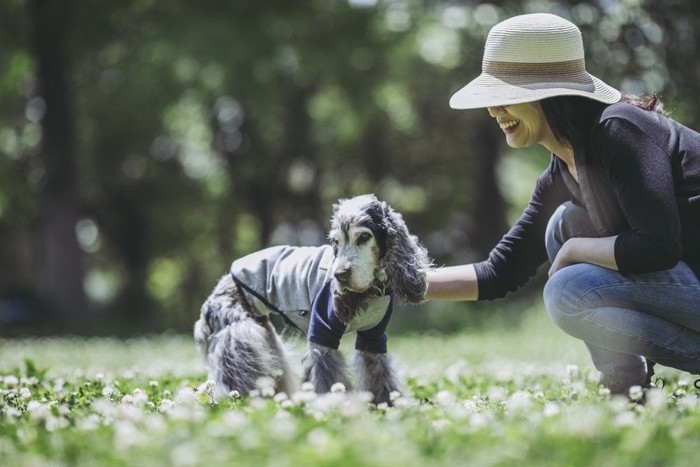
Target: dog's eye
363, 238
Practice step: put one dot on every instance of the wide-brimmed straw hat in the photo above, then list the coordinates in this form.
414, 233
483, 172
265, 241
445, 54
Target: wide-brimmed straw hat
528, 58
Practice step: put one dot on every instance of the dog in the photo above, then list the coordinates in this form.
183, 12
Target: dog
345, 286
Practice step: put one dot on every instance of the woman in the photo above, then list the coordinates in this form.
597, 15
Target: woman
617, 212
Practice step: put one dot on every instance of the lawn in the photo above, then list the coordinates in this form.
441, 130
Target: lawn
502, 396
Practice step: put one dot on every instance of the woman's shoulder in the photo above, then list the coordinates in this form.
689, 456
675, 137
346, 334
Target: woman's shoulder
629, 112
623, 121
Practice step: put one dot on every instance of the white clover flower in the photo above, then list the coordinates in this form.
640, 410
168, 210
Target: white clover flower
139, 397
572, 372
287, 403
11, 381
520, 401
471, 406
25, 394
394, 395
265, 382
53, 423
445, 398
550, 409
32, 381
128, 399
496, 394
107, 391
302, 398
655, 400
185, 396
153, 383
636, 393
165, 405
682, 383
604, 391
11, 413
234, 394
100, 376
688, 403
307, 386
338, 388
679, 393
383, 406
208, 386
37, 411
130, 413
280, 396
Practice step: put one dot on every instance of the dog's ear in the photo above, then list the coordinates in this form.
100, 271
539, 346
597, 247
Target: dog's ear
405, 260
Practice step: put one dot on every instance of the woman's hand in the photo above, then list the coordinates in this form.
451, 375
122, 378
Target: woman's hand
598, 251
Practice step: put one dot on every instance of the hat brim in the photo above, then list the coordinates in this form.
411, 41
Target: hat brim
489, 90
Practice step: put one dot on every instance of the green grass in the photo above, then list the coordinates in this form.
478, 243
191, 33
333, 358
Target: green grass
500, 397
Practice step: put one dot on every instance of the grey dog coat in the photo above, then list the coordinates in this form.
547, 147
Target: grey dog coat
297, 281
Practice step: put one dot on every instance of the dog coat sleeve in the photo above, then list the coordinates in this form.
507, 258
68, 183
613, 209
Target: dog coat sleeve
325, 328
374, 340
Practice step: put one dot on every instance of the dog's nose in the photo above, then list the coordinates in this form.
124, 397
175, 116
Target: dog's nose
342, 274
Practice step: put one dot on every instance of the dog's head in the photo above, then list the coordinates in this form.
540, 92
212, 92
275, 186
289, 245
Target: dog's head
374, 250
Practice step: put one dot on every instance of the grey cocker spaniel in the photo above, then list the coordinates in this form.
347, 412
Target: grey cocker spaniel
326, 292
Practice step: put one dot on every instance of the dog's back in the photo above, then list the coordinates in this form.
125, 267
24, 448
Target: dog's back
284, 279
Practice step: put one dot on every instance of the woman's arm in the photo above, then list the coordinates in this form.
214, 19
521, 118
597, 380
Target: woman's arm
452, 283
598, 251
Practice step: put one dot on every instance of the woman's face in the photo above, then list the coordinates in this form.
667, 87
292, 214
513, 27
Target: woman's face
523, 124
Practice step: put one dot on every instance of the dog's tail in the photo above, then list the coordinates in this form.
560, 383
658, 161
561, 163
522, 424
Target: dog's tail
242, 353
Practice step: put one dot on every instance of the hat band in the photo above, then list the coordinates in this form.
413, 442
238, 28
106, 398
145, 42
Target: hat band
541, 68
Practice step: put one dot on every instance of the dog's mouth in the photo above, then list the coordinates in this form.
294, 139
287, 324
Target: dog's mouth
347, 288
376, 287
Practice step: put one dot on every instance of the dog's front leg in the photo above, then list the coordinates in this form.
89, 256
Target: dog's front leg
324, 367
375, 374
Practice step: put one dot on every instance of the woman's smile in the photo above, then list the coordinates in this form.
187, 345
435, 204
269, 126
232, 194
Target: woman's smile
508, 126
524, 125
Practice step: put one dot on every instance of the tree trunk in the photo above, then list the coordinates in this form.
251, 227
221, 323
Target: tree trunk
60, 257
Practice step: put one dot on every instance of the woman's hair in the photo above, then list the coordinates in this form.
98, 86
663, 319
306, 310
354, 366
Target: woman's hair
569, 116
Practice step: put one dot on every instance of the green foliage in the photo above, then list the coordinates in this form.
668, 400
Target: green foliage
205, 130
524, 396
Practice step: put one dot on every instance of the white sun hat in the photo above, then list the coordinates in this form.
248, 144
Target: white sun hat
528, 58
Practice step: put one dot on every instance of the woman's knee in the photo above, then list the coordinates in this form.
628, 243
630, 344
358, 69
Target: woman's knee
564, 293
568, 221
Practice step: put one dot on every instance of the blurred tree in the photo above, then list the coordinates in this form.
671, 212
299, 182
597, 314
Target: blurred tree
145, 144
61, 267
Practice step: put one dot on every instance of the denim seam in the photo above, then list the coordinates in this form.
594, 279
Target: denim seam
695, 357
582, 297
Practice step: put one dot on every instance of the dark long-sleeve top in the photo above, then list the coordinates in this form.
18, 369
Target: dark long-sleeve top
639, 179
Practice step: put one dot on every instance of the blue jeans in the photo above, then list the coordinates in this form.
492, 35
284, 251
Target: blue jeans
623, 318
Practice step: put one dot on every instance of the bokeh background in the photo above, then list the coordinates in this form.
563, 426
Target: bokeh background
144, 144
